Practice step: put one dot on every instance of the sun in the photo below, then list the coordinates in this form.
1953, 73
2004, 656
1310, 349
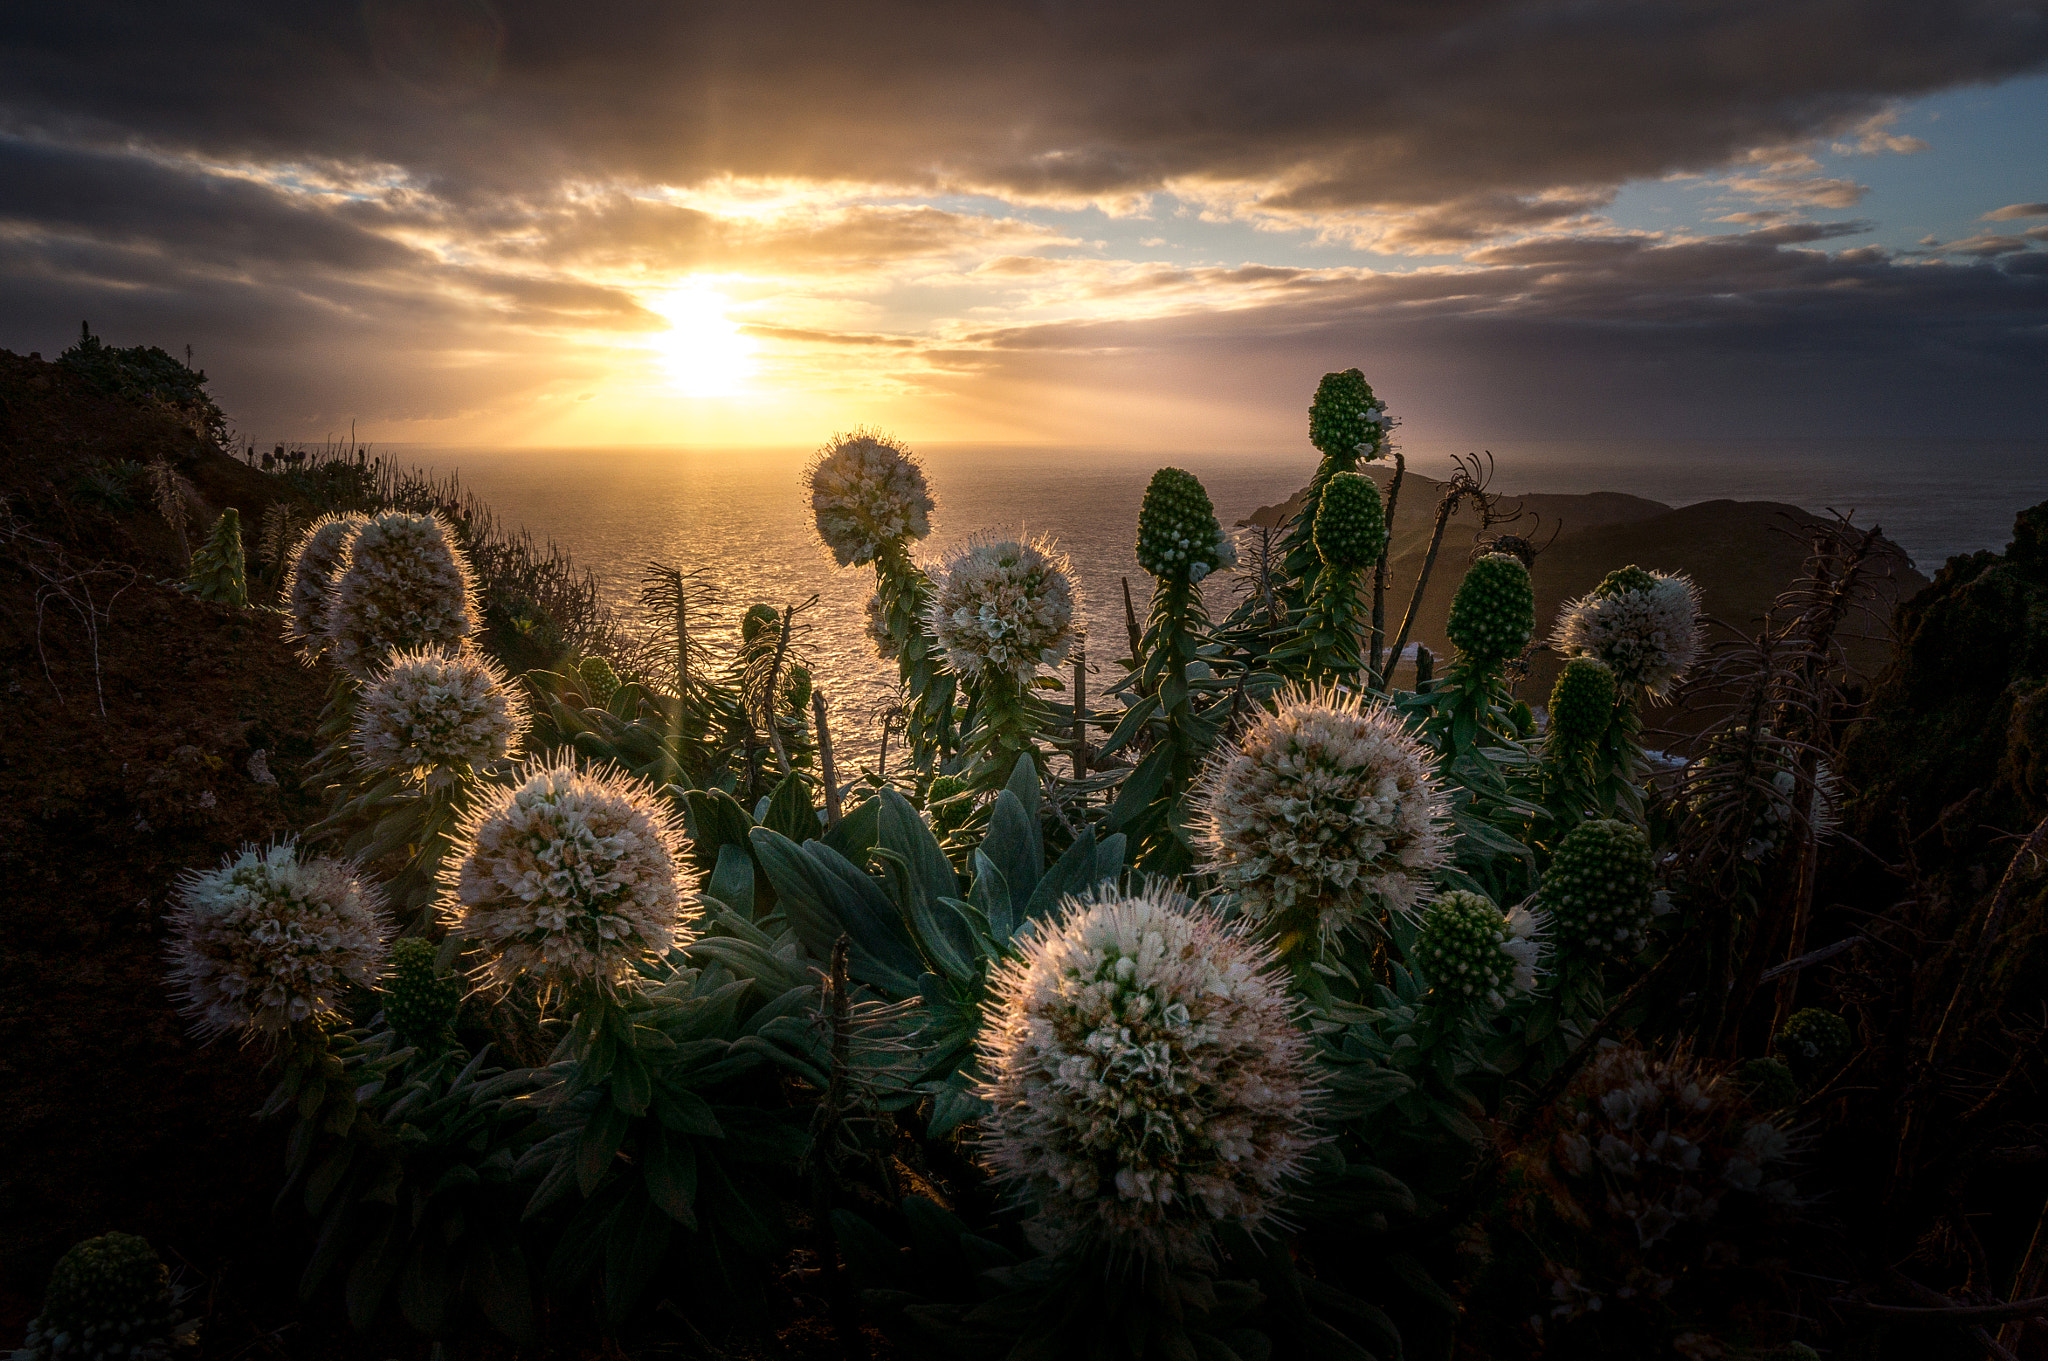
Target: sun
704, 351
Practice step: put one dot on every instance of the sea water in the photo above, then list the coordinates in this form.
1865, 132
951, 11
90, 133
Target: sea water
743, 513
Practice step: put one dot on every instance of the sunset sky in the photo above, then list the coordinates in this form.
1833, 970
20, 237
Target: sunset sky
1070, 223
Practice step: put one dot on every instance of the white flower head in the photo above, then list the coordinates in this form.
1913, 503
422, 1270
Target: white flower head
402, 585
427, 711
575, 877
878, 628
268, 940
1644, 625
1005, 607
1147, 1079
869, 494
311, 577
1322, 817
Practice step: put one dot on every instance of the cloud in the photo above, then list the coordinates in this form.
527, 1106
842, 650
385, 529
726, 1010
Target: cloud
1366, 107
2012, 211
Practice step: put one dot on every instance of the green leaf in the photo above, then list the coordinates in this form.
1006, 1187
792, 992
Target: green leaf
631, 1084
1109, 857
1133, 720
991, 897
856, 833
632, 1254
685, 1112
790, 810
426, 1294
738, 1215
732, 882
599, 1145
1016, 847
1141, 787
1073, 872
504, 1290
671, 1176
370, 1278
716, 819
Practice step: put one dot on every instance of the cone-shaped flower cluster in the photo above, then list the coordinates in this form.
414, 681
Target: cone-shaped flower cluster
1344, 415
403, 585
219, 572
1493, 614
420, 1003
1146, 1077
1643, 624
1598, 890
1004, 608
600, 682
869, 495
1324, 816
1177, 528
1351, 523
110, 1299
1582, 702
1814, 1043
1475, 955
318, 557
267, 941
574, 877
427, 711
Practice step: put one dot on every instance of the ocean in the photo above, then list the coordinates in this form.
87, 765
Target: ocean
743, 512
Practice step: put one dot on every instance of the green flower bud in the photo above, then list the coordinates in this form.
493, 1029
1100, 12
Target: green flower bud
1582, 702
1351, 524
1625, 580
1769, 1082
1468, 952
218, 572
797, 688
109, 1297
1493, 614
1598, 889
600, 682
757, 619
420, 1004
1814, 1043
1345, 415
1177, 528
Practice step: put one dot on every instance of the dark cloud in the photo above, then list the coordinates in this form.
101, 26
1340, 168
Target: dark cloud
1615, 338
1414, 102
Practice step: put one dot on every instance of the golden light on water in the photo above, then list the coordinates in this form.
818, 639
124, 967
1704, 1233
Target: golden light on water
703, 353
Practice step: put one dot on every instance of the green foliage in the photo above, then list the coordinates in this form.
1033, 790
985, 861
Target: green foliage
757, 620
1351, 524
218, 571
145, 374
1340, 417
420, 1004
1178, 535
1493, 615
1598, 889
109, 1299
1814, 1043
